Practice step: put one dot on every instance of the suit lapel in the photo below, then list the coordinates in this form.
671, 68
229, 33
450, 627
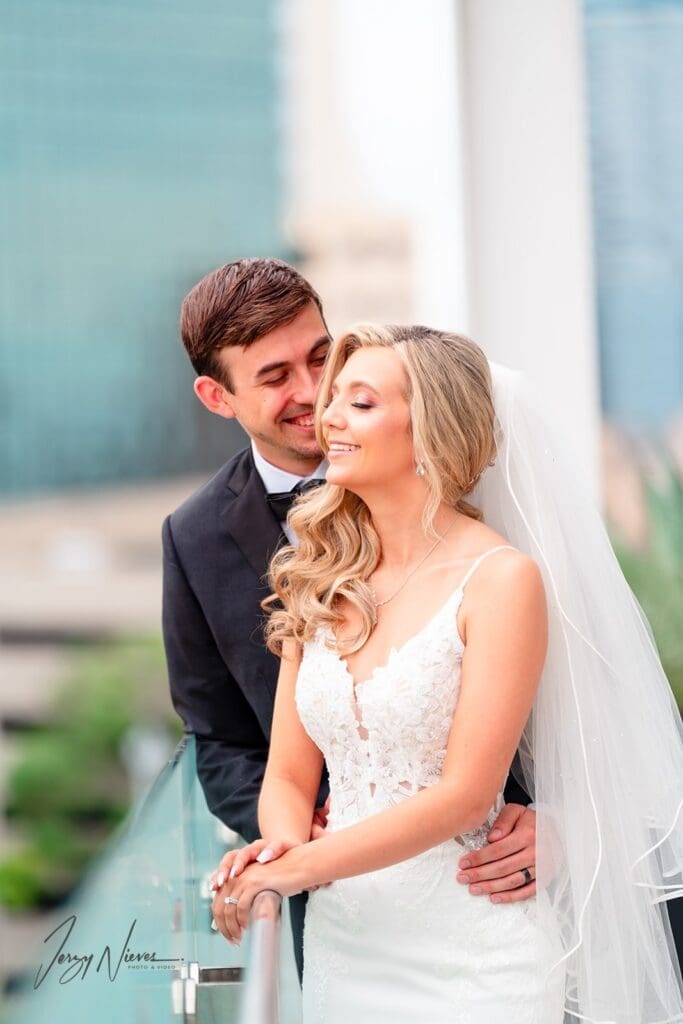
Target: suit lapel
249, 519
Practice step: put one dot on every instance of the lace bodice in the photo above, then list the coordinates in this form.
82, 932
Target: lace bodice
408, 942
385, 738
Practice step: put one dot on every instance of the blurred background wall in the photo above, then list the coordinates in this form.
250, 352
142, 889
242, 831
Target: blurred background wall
509, 168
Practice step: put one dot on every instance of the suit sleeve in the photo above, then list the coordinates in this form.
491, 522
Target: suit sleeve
514, 793
231, 747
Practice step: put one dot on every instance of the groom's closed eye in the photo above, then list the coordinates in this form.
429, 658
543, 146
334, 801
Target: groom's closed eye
274, 381
317, 357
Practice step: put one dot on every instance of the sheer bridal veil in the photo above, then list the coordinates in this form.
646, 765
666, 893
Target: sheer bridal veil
602, 752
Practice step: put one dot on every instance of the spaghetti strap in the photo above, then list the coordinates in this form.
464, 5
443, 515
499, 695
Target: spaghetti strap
477, 561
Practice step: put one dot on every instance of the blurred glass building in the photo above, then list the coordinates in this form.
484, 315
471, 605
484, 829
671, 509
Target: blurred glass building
635, 88
139, 150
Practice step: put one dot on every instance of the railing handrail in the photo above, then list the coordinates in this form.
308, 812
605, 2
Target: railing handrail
259, 1003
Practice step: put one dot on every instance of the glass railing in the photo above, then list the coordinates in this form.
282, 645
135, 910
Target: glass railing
135, 943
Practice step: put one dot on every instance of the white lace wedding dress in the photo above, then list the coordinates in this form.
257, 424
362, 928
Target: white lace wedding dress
408, 943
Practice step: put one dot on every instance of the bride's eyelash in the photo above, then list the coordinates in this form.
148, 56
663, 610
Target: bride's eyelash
356, 405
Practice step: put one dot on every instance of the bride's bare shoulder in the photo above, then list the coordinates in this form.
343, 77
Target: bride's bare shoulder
504, 567
472, 541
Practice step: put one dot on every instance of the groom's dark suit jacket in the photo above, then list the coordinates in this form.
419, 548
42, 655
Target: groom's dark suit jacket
217, 545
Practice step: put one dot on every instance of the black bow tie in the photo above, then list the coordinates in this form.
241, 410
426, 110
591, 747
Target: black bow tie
282, 502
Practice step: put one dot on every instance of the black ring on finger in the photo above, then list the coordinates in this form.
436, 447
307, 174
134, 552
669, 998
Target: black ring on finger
528, 878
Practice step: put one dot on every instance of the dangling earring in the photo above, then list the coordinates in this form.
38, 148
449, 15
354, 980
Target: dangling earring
420, 469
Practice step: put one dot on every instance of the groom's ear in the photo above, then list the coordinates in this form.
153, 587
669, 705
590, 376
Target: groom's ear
214, 396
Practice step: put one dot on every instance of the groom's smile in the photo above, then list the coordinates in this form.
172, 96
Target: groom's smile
303, 421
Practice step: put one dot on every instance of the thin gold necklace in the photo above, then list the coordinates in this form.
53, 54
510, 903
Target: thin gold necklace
379, 604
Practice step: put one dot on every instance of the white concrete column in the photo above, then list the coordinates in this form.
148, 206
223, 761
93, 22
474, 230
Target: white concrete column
528, 202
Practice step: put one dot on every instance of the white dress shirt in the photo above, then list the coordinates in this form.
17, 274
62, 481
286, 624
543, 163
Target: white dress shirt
276, 480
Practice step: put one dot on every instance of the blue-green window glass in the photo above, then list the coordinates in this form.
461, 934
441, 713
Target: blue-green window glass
139, 149
635, 90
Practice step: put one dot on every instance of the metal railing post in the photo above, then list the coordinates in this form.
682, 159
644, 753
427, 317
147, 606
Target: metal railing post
260, 1001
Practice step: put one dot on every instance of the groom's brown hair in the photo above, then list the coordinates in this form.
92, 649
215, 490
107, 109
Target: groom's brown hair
236, 305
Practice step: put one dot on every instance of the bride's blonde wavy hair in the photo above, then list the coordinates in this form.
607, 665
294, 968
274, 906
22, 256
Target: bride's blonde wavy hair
450, 396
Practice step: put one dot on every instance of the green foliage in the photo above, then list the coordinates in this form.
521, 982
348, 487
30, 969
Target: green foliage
68, 789
28, 878
21, 879
113, 686
58, 775
655, 574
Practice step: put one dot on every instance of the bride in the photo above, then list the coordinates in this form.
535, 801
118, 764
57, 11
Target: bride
454, 600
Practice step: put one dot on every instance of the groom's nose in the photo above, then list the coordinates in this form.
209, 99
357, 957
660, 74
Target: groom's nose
304, 388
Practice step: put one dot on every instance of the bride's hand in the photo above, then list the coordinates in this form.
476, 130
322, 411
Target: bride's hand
235, 861
231, 907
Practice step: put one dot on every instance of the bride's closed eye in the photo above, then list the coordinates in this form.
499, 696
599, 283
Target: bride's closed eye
356, 405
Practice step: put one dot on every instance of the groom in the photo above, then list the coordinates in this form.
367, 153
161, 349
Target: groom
256, 336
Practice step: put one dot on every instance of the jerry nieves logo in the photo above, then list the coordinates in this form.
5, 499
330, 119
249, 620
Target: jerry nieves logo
77, 965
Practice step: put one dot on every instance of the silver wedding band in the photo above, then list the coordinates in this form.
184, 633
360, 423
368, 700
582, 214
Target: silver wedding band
527, 876
230, 899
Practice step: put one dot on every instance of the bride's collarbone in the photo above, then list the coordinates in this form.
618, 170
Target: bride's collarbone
395, 627
409, 613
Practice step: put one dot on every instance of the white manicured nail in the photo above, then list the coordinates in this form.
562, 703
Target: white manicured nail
220, 879
264, 856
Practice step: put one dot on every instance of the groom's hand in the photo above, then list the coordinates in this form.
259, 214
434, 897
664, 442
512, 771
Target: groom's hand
318, 827
497, 869
319, 823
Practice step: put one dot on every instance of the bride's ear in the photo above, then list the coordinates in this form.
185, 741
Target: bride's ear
214, 397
